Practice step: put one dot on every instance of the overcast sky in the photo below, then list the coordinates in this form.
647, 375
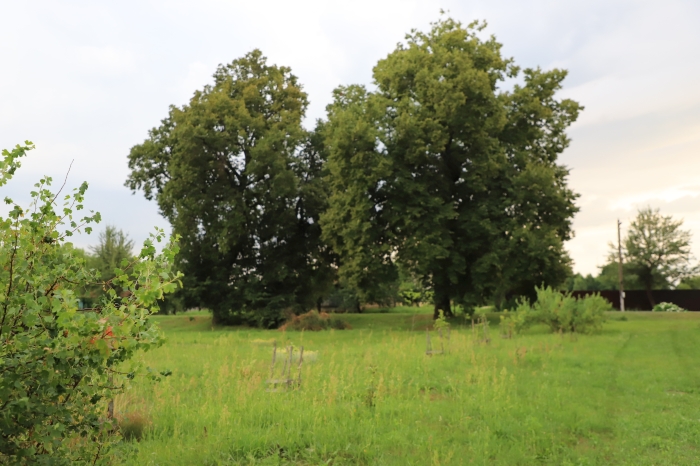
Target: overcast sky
86, 80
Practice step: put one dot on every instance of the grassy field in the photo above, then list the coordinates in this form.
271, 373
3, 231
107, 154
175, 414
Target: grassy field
370, 395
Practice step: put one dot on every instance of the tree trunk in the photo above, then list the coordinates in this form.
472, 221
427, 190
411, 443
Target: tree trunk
650, 297
442, 303
499, 300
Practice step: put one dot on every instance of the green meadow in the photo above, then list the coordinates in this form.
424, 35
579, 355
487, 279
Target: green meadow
370, 395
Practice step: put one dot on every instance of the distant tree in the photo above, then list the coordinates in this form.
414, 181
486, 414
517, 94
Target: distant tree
578, 282
657, 250
113, 247
609, 279
442, 170
689, 283
240, 180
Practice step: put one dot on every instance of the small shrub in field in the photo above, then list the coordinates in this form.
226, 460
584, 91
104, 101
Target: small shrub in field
668, 307
481, 315
132, 425
561, 312
441, 322
514, 322
507, 325
313, 320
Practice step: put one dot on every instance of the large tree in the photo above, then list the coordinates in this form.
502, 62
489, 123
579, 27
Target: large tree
239, 179
657, 250
445, 170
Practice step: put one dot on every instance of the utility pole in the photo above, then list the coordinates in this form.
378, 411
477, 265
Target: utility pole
619, 267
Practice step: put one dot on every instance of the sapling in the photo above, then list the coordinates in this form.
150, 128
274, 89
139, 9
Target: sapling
440, 325
483, 324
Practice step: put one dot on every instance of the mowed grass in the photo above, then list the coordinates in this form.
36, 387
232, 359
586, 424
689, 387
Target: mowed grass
630, 395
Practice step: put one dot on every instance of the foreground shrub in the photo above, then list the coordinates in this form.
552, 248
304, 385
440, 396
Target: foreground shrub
561, 312
313, 320
668, 307
513, 322
60, 364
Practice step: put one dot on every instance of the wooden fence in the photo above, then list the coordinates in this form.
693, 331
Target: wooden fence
637, 300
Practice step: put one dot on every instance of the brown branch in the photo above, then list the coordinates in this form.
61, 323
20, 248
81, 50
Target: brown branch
51, 288
97, 455
64, 181
75, 385
9, 284
87, 309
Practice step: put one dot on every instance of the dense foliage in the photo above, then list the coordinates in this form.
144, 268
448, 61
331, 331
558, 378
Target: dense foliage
59, 364
444, 171
442, 184
239, 179
559, 311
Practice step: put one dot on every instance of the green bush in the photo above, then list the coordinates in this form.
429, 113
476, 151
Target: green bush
668, 307
313, 320
441, 322
60, 363
516, 321
561, 312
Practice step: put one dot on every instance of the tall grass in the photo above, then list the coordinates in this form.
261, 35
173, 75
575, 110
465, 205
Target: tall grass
372, 396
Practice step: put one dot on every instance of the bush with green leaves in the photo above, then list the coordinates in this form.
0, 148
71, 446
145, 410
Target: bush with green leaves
561, 312
513, 322
441, 321
668, 307
60, 364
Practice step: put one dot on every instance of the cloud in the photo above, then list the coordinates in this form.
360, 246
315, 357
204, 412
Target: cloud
86, 80
591, 244
198, 75
667, 195
105, 60
626, 164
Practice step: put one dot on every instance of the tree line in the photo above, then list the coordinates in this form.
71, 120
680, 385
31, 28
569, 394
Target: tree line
441, 181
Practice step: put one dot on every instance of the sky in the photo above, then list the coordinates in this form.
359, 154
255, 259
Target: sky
86, 80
